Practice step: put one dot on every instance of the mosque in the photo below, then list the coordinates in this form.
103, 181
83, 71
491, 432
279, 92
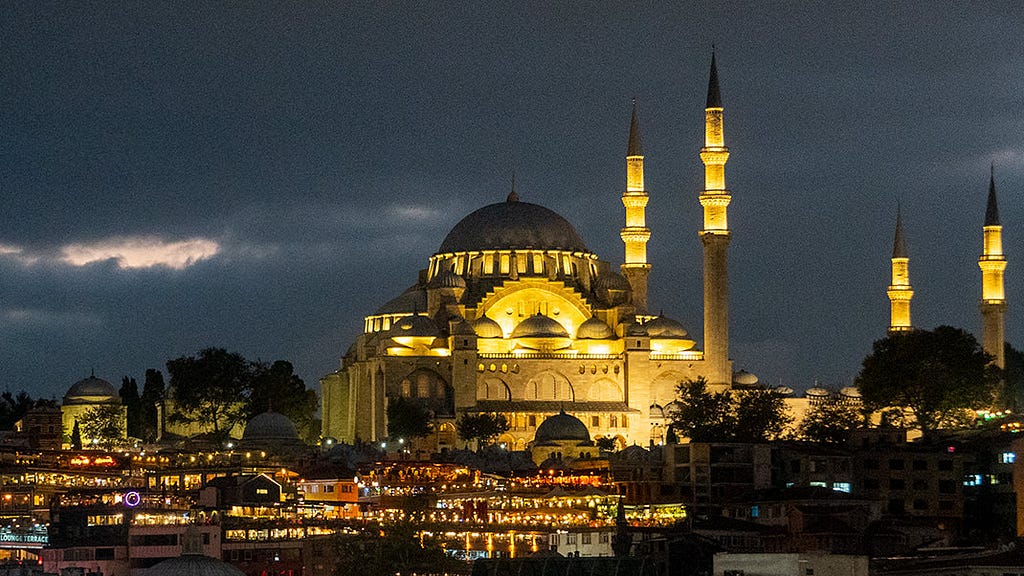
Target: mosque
514, 315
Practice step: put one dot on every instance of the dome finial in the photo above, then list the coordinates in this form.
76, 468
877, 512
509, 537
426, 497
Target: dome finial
512, 196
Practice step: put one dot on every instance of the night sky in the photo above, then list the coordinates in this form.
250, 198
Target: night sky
260, 175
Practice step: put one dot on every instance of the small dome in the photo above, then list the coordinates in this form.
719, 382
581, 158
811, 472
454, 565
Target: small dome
662, 327
562, 426
783, 390
192, 565
540, 326
513, 225
415, 325
817, 392
744, 378
656, 411
462, 328
636, 455
850, 392
270, 426
485, 327
610, 280
413, 298
92, 389
447, 279
633, 329
594, 329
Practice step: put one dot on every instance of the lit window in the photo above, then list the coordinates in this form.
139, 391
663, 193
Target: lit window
1007, 457
755, 511
841, 487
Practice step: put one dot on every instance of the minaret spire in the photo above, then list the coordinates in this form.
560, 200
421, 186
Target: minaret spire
636, 234
992, 263
715, 236
900, 291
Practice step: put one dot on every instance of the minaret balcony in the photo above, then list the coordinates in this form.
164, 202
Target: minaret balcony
716, 199
714, 155
900, 293
630, 235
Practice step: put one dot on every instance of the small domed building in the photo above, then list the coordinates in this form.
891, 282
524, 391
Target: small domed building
562, 437
85, 396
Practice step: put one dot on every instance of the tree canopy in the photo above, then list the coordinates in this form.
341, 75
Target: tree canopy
830, 422
937, 375
754, 415
407, 419
211, 388
481, 427
102, 425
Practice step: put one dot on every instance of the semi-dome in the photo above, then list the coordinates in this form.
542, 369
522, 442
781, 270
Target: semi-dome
486, 327
270, 427
594, 329
662, 327
92, 389
540, 326
513, 225
415, 326
817, 392
560, 427
850, 392
447, 279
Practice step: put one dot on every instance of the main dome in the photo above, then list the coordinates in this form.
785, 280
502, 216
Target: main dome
513, 225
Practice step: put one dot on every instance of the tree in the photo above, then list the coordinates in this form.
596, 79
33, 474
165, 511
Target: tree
755, 415
701, 415
103, 425
605, 443
407, 419
1012, 392
13, 408
129, 393
152, 393
760, 415
276, 387
211, 389
830, 422
937, 375
481, 427
76, 436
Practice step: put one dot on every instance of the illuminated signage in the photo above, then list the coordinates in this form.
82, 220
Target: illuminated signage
132, 499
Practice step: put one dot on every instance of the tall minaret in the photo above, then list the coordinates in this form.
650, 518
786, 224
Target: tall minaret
636, 234
900, 291
715, 237
992, 263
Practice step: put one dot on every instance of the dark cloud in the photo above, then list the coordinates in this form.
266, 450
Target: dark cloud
326, 150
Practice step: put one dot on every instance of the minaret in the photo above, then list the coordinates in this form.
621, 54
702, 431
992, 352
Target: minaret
992, 263
715, 236
900, 291
636, 234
